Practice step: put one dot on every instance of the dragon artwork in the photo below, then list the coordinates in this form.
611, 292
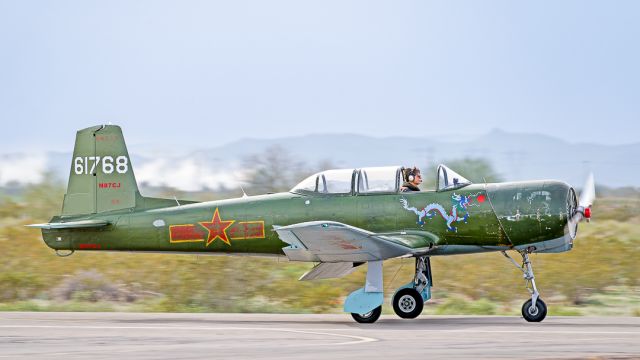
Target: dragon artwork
459, 203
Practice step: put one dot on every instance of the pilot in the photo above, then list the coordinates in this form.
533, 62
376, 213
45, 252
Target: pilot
412, 179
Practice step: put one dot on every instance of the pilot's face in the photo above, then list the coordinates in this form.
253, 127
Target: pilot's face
417, 179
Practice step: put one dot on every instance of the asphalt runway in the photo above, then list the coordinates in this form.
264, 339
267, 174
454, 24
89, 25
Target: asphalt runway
282, 336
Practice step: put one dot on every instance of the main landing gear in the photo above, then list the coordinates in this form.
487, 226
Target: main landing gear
368, 318
408, 301
534, 309
365, 304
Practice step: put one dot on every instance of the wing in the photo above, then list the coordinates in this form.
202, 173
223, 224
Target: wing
334, 242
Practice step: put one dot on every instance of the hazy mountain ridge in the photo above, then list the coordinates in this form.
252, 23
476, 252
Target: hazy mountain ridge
515, 156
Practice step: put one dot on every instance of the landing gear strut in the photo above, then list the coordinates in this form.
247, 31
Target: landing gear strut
365, 304
409, 300
534, 309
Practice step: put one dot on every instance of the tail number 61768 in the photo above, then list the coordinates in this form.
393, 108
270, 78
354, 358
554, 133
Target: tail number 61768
89, 164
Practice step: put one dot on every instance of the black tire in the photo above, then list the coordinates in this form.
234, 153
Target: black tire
368, 318
408, 303
536, 315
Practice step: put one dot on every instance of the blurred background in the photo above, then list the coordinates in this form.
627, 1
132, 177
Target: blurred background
212, 96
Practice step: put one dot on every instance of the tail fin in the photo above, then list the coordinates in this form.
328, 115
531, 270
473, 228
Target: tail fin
101, 177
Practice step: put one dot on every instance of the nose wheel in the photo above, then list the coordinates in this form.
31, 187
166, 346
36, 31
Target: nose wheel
534, 309
534, 313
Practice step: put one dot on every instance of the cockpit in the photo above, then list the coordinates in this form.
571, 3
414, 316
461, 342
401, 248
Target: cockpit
372, 180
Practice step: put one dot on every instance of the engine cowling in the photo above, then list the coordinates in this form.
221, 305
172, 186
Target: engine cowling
536, 214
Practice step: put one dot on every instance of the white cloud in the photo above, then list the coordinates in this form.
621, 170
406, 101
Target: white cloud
22, 168
186, 174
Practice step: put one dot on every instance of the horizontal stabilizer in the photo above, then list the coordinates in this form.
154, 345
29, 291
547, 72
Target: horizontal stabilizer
330, 270
71, 224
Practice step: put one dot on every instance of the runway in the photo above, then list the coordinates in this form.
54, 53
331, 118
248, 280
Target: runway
283, 336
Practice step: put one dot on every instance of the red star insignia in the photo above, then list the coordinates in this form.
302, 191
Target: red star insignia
217, 229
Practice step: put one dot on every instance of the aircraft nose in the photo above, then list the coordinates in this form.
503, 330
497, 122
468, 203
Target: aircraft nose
533, 211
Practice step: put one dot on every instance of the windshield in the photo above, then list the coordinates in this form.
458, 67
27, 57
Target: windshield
449, 179
309, 184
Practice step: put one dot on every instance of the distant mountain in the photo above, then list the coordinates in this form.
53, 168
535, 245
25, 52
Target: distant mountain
515, 156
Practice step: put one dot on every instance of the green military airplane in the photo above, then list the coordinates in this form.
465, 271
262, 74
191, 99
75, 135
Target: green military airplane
338, 219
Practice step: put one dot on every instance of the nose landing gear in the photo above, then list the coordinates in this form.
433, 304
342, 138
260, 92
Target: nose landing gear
534, 309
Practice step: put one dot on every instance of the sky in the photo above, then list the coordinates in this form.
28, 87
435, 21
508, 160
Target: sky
203, 73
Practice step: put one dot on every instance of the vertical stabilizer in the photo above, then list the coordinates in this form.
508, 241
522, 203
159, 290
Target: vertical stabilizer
101, 177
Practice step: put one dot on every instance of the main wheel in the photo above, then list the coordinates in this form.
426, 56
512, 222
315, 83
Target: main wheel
536, 314
407, 303
369, 317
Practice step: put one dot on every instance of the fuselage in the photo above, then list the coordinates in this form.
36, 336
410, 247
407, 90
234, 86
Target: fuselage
475, 218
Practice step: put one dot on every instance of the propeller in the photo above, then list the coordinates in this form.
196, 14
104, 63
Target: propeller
587, 196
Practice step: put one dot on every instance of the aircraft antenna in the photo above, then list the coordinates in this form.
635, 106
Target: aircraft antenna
485, 180
244, 194
176, 199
